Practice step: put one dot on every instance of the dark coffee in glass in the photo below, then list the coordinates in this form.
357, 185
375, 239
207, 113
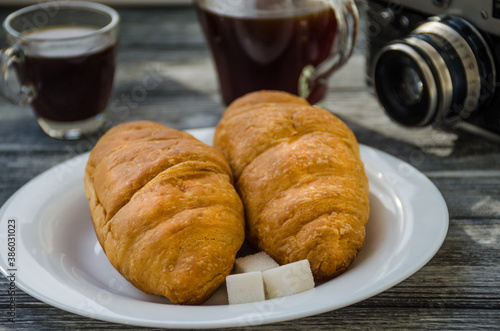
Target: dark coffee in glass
61, 61
69, 87
279, 45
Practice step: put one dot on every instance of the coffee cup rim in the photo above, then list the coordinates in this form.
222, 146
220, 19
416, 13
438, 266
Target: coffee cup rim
115, 18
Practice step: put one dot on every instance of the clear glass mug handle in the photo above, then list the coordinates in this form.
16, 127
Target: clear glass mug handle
10, 85
347, 17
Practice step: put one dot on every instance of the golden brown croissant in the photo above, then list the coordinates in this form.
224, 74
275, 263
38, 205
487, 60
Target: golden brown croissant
164, 210
299, 173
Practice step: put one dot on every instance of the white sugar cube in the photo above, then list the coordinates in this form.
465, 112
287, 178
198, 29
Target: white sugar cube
288, 279
244, 288
255, 262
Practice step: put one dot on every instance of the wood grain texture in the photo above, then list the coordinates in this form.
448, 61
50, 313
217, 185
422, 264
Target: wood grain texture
458, 289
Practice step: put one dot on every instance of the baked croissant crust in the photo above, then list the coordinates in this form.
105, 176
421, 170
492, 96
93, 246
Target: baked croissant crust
164, 210
299, 173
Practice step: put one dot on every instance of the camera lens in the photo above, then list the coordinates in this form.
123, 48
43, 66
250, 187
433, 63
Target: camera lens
440, 71
405, 85
410, 85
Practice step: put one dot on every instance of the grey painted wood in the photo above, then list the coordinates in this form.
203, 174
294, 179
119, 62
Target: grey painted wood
458, 289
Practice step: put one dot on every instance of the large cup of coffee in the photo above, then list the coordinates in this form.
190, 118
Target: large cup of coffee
61, 61
286, 45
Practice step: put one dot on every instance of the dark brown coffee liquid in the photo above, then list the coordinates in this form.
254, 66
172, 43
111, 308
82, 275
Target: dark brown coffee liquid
267, 53
70, 88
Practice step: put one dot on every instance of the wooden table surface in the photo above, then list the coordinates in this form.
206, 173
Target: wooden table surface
458, 289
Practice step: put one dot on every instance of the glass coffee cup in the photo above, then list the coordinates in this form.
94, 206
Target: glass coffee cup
61, 61
292, 46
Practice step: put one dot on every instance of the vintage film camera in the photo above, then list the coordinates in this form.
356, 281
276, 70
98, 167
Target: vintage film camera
436, 62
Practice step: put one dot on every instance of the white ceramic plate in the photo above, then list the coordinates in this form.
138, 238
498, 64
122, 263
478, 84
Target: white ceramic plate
58, 259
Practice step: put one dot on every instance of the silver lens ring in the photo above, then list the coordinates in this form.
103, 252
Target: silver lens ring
442, 71
466, 54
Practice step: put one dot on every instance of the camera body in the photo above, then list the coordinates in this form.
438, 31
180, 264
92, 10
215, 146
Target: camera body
435, 61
